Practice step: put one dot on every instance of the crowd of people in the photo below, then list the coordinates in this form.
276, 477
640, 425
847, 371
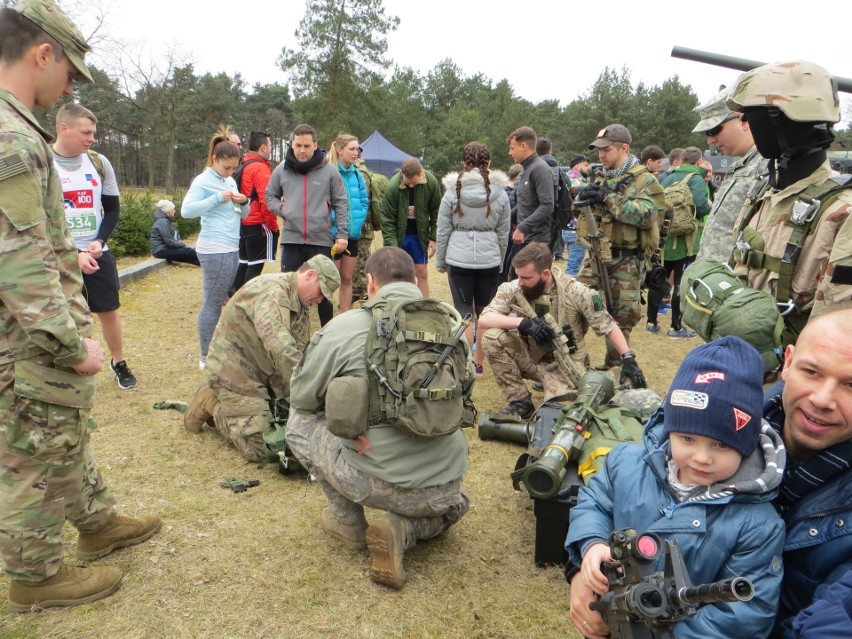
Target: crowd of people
743, 484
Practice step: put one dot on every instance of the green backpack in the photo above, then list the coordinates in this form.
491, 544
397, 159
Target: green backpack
419, 380
715, 304
679, 200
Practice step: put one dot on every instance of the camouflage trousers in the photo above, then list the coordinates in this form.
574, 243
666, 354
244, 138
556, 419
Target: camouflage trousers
242, 420
359, 276
626, 276
428, 511
48, 475
510, 359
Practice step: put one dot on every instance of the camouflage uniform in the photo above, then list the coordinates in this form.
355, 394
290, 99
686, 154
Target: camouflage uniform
258, 340
514, 358
631, 221
47, 470
417, 479
717, 240
376, 184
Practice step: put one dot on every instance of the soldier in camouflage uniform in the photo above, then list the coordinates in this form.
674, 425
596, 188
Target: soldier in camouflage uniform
731, 135
628, 204
48, 473
511, 339
416, 481
376, 183
795, 241
258, 341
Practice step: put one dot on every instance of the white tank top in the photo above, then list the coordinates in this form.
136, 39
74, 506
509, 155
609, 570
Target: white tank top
81, 190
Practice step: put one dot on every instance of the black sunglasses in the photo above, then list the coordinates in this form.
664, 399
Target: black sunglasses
716, 130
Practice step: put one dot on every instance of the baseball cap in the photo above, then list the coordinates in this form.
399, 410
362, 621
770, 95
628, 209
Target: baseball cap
714, 112
574, 161
612, 133
50, 18
329, 278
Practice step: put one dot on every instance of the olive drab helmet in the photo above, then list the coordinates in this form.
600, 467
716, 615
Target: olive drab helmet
803, 91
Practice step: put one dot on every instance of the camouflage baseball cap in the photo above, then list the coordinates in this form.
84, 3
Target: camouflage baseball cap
803, 91
329, 278
612, 133
714, 112
50, 18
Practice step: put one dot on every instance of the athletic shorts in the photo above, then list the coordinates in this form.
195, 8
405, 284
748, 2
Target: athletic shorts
101, 287
411, 245
352, 248
257, 244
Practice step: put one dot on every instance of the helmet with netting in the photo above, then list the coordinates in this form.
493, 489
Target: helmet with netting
803, 91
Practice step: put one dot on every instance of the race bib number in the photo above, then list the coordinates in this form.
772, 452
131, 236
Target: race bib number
80, 212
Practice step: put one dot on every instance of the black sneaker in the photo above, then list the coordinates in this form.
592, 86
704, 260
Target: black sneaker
123, 376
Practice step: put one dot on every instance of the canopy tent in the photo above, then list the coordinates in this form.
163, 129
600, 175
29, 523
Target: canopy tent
381, 156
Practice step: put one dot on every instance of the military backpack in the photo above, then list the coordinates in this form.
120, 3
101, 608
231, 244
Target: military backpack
680, 202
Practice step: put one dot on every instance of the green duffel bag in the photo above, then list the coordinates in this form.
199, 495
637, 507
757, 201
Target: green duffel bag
715, 304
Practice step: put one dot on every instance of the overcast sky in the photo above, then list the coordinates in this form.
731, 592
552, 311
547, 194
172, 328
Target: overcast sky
546, 49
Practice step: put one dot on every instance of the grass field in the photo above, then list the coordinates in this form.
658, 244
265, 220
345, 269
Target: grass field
257, 564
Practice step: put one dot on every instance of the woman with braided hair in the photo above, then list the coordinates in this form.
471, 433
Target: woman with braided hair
473, 232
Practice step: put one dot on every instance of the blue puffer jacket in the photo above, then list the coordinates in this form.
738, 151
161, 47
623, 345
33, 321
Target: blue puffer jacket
828, 618
359, 200
818, 549
733, 535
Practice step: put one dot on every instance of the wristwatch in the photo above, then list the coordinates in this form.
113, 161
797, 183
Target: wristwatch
627, 354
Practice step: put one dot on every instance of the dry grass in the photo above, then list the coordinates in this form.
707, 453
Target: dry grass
257, 564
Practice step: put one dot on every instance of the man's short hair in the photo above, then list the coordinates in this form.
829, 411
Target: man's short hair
257, 139
525, 134
543, 147
515, 170
410, 168
305, 129
18, 34
390, 264
651, 152
675, 155
536, 253
691, 155
70, 112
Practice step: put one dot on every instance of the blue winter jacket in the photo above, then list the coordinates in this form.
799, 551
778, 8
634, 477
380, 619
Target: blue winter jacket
359, 200
818, 549
736, 535
828, 618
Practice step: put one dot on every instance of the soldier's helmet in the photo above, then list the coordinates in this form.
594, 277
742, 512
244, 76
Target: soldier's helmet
803, 91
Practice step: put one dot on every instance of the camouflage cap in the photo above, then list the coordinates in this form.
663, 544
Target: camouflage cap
803, 91
713, 112
612, 133
50, 18
329, 278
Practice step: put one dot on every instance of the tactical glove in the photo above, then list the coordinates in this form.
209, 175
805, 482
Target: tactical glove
536, 328
594, 193
630, 370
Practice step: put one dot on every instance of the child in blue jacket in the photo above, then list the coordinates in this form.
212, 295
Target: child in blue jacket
705, 477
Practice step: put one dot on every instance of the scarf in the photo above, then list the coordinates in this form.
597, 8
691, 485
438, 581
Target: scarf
292, 163
632, 161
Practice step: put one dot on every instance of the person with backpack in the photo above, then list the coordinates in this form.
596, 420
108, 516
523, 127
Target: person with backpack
562, 201
259, 231
363, 420
686, 192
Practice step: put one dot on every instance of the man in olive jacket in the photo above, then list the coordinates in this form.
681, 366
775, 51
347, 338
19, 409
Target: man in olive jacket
410, 216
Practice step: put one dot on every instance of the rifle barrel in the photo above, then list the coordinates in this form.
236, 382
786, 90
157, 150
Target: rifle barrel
736, 589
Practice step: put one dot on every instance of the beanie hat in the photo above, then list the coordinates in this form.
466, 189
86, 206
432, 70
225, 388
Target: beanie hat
166, 205
718, 393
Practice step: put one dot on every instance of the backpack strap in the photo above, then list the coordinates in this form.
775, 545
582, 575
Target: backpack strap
98, 161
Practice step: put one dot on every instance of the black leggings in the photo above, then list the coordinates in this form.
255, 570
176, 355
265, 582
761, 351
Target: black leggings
472, 288
655, 298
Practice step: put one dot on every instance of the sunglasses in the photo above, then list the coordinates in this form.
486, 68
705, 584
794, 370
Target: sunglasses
716, 130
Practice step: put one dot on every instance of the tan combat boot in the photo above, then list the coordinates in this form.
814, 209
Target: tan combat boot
353, 535
201, 409
387, 540
120, 532
71, 586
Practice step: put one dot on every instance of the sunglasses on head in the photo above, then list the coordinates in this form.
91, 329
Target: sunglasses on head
716, 130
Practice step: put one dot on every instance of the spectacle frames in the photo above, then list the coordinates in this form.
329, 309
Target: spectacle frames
716, 130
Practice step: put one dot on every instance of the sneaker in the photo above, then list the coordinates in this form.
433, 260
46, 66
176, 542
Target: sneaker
120, 532
353, 535
123, 376
663, 310
480, 370
652, 328
70, 586
202, 364
386, 540
683, 333
519, 409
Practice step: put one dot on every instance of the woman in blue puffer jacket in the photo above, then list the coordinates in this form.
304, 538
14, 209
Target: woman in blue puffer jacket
343, 153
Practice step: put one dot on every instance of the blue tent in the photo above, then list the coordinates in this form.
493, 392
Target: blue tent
381, 156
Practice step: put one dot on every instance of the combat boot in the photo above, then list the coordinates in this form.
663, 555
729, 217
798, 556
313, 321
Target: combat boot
353, 535
71, 586
201, 409
387, 540
120, 532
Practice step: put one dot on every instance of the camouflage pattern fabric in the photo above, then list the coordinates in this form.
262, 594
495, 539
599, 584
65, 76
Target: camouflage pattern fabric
376, 184
717, 240
828, 247
642, 401
511, 356
359, 275
427, 511
242, 420
47, 471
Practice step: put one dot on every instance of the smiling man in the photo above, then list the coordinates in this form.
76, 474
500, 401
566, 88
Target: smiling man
258, 341
814, 415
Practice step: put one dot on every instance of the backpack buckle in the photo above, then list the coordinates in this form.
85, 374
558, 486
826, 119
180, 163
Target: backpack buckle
787, 308
804, 210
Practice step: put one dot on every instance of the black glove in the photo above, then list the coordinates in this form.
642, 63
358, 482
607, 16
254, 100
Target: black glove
536, 328
593, 193
630, 370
